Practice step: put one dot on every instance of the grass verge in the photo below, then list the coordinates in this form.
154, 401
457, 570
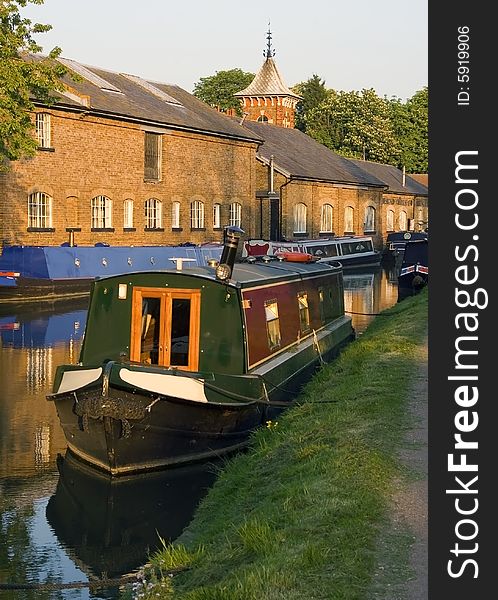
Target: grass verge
298, 515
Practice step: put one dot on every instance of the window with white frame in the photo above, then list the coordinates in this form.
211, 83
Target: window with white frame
101, 212
128, 214
39, 210
152, 156
197, 214
235, 214
153, 214
326, 218
390, 220
349, 219
300, 211
175, 215
43, 130
403, 221
369, 224
216, 216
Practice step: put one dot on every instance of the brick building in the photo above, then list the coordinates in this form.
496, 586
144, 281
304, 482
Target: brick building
129, 162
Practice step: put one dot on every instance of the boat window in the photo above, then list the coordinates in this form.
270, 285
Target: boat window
149, 340
272, 324
357, 247
180, 330
165, 327
304, 312
321, 304
323, 251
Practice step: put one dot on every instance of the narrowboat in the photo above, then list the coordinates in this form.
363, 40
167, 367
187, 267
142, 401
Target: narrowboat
46, 273
397, 240
179, 366
414, 272
352, 251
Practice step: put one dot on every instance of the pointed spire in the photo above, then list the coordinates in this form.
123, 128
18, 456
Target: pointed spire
269, 52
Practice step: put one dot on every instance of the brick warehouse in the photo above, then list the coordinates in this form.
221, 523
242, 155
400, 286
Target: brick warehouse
130, 162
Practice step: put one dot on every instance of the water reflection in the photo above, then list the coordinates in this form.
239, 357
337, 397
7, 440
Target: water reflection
108, 525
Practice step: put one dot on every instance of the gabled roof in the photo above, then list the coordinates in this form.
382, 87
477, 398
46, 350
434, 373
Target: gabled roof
267, 82
422, 178
118, 95
300, 156
393, 178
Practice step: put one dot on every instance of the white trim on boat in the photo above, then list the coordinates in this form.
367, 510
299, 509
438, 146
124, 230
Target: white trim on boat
73, 380
176, 386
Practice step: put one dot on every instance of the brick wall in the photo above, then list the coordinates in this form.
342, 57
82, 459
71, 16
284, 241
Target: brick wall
93, 157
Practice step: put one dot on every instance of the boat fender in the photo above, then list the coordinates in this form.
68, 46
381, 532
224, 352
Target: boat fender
296, 256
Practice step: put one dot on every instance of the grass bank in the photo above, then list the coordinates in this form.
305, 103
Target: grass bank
298, 515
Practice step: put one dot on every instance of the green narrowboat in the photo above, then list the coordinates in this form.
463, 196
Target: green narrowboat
178, 366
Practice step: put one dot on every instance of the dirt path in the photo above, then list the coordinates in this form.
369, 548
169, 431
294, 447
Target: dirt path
409, 507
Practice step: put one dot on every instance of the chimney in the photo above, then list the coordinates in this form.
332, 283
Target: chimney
231, 237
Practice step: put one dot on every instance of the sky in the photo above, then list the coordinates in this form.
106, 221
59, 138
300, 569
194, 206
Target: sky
353, 45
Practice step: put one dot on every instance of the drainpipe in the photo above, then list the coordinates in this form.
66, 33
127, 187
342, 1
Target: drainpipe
281, 206
272, 174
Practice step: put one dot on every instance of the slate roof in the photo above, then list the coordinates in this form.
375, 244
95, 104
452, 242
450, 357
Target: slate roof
113, 94
267, 82
393, 178
298, 155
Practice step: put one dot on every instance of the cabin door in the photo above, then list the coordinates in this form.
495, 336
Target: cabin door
275, 219
165, 328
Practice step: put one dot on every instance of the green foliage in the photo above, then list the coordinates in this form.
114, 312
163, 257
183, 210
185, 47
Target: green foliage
218, 90
25, 77
313, 92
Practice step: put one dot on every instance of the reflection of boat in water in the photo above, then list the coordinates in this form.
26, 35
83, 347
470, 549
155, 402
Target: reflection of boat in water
43, 329
109, 525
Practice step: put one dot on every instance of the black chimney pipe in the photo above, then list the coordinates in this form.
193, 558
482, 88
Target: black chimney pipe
231, 237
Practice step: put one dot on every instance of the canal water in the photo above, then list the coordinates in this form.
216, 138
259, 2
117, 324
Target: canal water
61, 522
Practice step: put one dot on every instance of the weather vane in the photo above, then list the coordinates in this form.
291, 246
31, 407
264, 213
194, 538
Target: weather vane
269, 52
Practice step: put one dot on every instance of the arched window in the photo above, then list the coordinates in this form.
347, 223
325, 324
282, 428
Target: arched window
300, 211
128, 214
369, 224
101, 212
175, 215
263, 119
403, 221
326, 218
39, 210
420, 219
349, 219
216, 216
235, 214
197, 214
390, 220
153, 214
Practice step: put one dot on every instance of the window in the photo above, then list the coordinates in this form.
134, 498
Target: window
197, 214
403, 221
39, 210
369, 224
272, 324
175, 215
101, 212
128, 214
262, 119
153, 214
390, 220
349, 219
235, 214
304, 312
217, 216
326, 218
321, 304
43, 130
420, 218
300, 218
165, 327
152, 158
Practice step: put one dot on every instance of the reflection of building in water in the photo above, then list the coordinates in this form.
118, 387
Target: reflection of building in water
359, 292
38, 368
42, 445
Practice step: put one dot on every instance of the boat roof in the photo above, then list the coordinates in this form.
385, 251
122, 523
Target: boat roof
250, 274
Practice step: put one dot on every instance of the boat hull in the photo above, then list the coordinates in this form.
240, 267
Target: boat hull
127, 418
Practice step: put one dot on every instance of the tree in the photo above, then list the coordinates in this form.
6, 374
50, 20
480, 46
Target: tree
410, 122
218, 90
25, 77
356, 125
313, 92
